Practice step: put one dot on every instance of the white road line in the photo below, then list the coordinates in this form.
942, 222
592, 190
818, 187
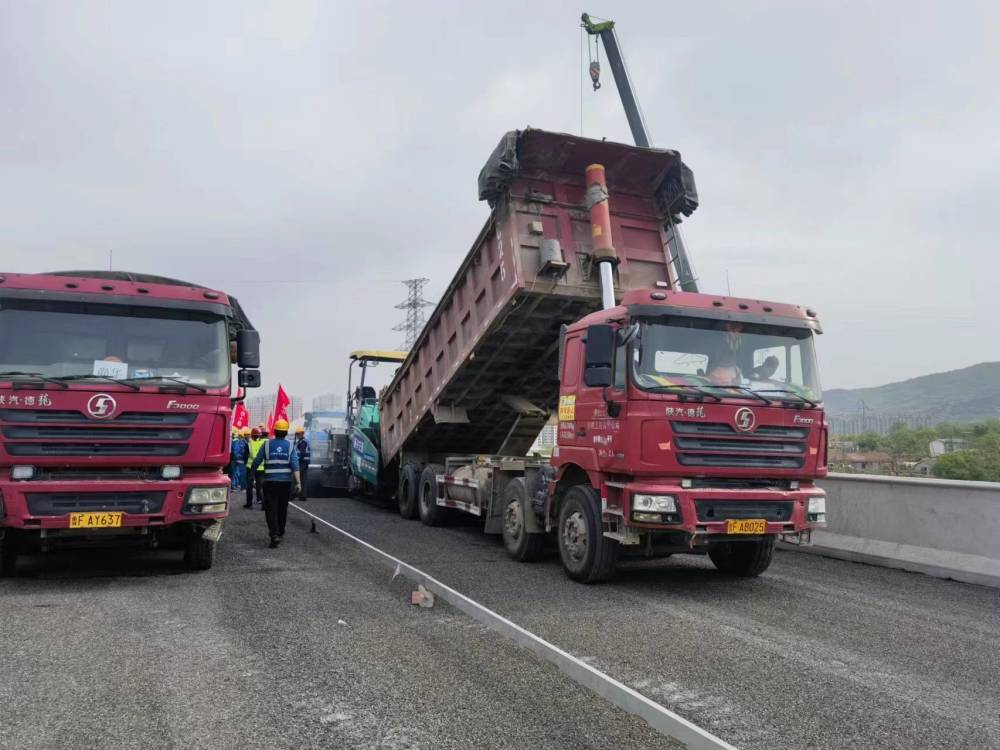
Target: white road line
663, 720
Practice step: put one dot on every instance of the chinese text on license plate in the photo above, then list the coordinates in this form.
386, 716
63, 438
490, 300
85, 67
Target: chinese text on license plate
95, 520
746, 526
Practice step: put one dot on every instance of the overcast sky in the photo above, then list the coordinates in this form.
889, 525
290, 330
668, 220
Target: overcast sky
306, 156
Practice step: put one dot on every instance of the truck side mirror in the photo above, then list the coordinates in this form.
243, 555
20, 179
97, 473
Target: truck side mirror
599, 356
247, 348
248, 378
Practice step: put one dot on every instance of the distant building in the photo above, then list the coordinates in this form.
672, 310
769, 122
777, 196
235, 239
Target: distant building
947, 445
328, 402
546, 439
873, 462
924, 467
261, 405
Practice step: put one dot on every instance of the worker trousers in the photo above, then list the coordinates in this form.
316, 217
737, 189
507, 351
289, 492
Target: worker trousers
276, 497
238, 476
255, 486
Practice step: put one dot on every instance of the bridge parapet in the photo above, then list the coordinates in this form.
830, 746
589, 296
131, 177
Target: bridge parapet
944, 528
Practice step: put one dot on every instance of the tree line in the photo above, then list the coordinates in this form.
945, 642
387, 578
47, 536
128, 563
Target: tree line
978, 461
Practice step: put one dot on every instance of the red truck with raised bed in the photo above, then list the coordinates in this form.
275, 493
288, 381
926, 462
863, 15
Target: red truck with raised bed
687, 422
115, 411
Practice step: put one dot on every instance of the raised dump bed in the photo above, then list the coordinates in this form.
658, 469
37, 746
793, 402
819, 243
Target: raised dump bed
482, 377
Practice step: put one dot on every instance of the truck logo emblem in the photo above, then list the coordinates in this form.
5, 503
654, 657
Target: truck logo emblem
101, 406
745, 419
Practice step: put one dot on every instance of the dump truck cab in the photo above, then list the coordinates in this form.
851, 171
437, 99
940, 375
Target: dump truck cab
115, 411
697, 419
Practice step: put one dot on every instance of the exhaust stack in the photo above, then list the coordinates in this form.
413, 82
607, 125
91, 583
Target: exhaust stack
600, 229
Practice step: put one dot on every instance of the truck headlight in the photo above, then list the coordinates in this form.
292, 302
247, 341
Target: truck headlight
207, 499
654, 503
171, 472
22, 472
816, 511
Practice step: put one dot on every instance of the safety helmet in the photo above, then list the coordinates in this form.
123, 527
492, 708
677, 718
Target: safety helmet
255, 433
281, 425
245, 432
300, 430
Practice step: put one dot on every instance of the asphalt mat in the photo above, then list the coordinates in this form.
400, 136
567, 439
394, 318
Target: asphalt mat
816, 653
311, 645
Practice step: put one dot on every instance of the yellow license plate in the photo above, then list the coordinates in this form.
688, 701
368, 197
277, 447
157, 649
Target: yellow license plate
95, 520
746, 526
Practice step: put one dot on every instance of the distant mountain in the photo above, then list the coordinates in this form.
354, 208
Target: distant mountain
966, 395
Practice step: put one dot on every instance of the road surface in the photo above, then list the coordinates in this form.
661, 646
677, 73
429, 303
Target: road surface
816, 653
307, 646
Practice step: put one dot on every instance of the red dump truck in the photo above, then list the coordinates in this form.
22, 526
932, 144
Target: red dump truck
115, 410
687, 422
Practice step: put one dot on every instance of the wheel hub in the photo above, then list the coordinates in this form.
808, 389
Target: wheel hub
513, 520
575, 537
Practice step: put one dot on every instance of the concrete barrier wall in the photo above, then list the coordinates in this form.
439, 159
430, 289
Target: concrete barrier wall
940, 527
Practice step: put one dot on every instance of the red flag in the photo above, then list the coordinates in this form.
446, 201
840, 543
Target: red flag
281, 403
270, 423
241, 418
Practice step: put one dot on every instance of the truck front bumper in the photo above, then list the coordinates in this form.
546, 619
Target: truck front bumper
46, 505
707, 513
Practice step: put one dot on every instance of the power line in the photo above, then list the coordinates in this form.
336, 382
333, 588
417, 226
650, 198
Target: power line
414, 305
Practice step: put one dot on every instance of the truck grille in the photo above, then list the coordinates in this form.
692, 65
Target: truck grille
44, 433
61, 503
720, 510
717, 444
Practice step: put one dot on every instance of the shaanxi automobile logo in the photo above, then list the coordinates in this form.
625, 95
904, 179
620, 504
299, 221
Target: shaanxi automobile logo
101, 406
745, 419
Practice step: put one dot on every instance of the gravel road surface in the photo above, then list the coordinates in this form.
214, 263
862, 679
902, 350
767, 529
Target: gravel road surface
311, 645
816, 653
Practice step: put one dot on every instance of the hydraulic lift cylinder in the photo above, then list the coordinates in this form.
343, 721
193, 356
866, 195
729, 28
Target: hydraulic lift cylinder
600, 230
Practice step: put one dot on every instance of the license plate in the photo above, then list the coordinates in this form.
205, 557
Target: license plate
746, 526
95, 520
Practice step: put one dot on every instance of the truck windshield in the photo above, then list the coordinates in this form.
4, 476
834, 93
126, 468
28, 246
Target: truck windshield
725, 359
68, 340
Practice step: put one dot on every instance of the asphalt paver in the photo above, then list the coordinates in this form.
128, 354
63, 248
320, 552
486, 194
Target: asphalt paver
815, 653
311, 645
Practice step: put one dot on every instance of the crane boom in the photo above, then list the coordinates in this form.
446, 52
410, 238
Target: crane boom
605, 30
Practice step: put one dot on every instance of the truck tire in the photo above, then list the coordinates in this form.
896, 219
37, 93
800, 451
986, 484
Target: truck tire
743, 559
409, 486
519, 544
587, 555
431, 514
199, 554
8, 556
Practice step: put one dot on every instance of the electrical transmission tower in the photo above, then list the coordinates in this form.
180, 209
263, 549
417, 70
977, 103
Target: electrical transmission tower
414, 306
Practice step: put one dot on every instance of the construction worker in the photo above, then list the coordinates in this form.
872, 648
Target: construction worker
305, 456
281, 476
238, 461
255, 476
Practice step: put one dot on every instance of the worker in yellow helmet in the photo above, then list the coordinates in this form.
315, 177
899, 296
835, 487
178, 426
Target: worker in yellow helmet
305, 457
281, 471
255, 477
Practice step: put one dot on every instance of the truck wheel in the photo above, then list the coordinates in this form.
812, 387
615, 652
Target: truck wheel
743, 559
430, 512
519, 543
8, 556
587, 555
409, 486
199, 554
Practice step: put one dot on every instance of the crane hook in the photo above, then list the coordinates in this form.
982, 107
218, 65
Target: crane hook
595, 74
